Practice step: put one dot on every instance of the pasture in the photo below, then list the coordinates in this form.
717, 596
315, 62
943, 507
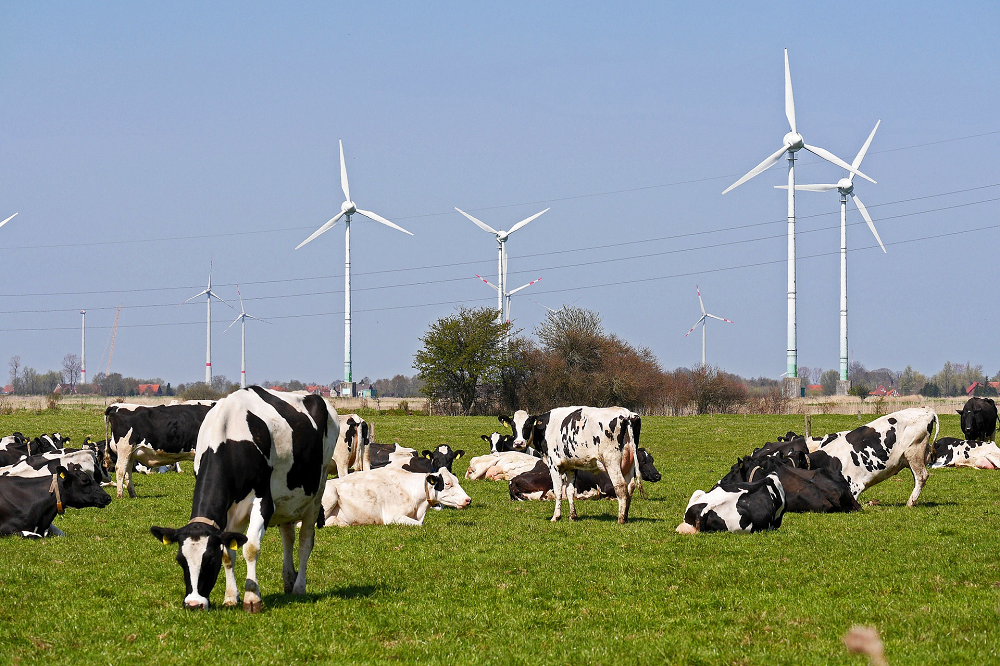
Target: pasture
498, 583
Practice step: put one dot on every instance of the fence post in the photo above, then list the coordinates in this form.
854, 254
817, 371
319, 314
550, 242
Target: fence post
808, 426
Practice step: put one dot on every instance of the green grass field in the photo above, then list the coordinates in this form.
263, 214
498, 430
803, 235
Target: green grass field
498, 583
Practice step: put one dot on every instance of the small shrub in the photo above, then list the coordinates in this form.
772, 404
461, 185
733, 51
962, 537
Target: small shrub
404, 407
52, 402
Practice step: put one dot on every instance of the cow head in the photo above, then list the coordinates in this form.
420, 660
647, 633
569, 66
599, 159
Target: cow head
524, 429
442, 456
646, 467
443, 489
199, 552
499, 442
978, 418
78, 489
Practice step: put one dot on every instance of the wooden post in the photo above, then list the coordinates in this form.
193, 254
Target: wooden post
808, 426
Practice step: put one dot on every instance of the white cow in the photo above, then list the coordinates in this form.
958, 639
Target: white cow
502, 466
390, 496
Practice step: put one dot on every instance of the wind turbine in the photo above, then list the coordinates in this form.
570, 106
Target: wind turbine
703, 320
846, 188
501, 236
508, 294
347, 209
792, 143
8, 219
243, 338
209, 295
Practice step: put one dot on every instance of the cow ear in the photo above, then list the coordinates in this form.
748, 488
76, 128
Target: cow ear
61, 471
233, 540
484, 438
436, 481
459, 453
958, 411
164, 534
425, 454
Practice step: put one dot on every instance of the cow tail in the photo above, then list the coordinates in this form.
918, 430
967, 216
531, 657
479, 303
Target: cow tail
635, 423
107, 444
930, 448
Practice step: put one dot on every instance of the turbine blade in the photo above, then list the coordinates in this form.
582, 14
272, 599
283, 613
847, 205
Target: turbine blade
766, 164
322, 230
830, 157
378, 218
700, 302
196, 296
810, 188
510, 293
234, 321
700, 320
479, 223
789, 99
343, 174
8, 219
213, 295
525, 221
864, 148
487, 282
868, 219
242, 309
720, 318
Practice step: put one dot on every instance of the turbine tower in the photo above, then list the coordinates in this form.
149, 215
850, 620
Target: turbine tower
791, 144
703, 321
501, 237
507, 296
83, 346
243, 338
209, 295
846, 188
347, 209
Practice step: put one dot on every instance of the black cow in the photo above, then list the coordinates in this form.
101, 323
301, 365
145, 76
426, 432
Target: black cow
154, 436
28, 505
979, 419
536, 484
261, 460
738, 507
806, 490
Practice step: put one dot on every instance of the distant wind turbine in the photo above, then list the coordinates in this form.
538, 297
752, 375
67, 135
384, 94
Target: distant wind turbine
792, 143
243, 338
846, 188
501, 237
347, 209
703, 321
209, 295
510, 293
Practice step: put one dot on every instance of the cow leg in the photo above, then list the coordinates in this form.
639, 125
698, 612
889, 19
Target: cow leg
287, 554
307, 538
251, 549
232, 591
920, 473
571, 492
614, 470
557, 490
123, 470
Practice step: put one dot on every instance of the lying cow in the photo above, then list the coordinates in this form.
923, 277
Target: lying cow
952, 452
17, 447
575, 438
736, 507
428, 461
381, 455
874, 452
806, 490
390, 496
47, 463
979, 419
28, 505
352, 444
536, 484
500, 466
261, 460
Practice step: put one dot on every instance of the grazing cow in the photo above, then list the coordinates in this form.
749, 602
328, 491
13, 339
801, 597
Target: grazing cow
738, 507
806, 490
390, 496
979, 419
261, 460
351, 445
500, 466
28, 505
872, 453
952, 452
536, 484
574, 438
154, 436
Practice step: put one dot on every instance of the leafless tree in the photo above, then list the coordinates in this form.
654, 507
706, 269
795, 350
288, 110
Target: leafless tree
71, 369
15, 367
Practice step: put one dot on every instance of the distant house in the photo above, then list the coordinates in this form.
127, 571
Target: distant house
277, 388
316, 389
982, 388
149, 389
883, 391
7, 390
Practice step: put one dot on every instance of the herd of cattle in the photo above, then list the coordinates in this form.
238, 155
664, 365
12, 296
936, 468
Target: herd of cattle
263, 458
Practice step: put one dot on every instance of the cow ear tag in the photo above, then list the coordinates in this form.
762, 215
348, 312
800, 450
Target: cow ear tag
166, 541
233, 545
62, 475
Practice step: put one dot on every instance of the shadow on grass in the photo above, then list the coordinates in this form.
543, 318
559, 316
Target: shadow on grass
345, 592
613, 518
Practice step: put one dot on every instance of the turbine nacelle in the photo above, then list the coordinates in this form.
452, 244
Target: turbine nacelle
845, 185
794, 141
348, 208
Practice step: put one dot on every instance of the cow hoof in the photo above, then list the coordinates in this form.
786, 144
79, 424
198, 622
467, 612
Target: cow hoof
253, 606
622, 521
555, 519
231, 603
686, 528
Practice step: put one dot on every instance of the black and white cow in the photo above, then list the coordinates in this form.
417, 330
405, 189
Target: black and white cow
806, 490
536, 484
737, 507
352, 445
979, 419
874, 452
261, 460
429, 462
154, 436
575, 438
46, 464
17, 447
29, 504
952, 452
387, 454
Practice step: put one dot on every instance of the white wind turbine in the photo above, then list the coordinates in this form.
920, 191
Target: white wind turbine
792, 143
846, 188
209, 295
243, 338
508, 294
347, 209
703, 320
501, 237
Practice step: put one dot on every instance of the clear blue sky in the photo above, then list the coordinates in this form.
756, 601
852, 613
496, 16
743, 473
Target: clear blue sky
140, 141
